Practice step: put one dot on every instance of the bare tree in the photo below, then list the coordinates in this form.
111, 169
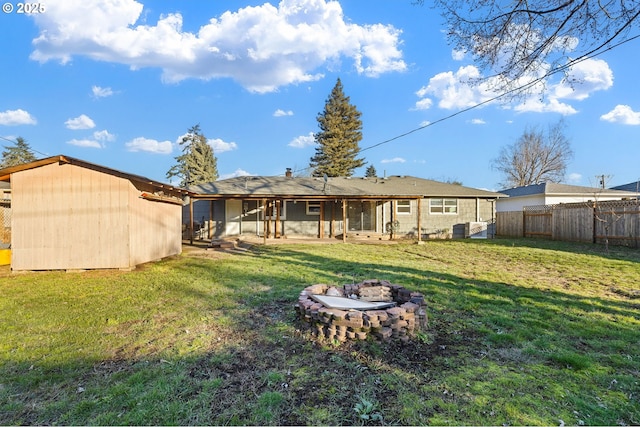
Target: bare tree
523, 39
535, 157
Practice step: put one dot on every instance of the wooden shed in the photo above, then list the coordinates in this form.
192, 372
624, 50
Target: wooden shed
69, 214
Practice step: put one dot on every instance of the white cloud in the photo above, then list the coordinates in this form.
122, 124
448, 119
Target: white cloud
104, 135
220, 146
282, 113
424, 104
149, 145
303, 141
236, 173
16, 118
467, 87
535, 105
393, 160
584, 78
90, 143
261, 47
574, 178
478, 122
622, 114
458, 55
101, 92
455, 90
80, 122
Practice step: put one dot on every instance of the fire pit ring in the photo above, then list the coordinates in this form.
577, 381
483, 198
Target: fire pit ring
374, 308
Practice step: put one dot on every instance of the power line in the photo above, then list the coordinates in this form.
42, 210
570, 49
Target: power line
592, 54
32, 149
509, 92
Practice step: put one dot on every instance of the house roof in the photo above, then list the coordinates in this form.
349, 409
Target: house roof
394, 187
632, 186
553, 189
5, 174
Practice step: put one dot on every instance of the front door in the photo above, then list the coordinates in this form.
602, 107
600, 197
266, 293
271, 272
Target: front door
233, 217
361, 216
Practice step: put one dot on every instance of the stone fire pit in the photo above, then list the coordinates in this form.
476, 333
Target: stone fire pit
371, 308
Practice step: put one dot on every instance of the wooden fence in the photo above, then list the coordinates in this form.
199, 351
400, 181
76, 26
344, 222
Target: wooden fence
615, 222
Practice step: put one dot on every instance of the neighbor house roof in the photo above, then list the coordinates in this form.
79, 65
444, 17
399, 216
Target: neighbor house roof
393, 187
632, 186
5, 174
553, 189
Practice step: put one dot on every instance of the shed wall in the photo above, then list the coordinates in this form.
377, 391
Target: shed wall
155, 227
68, 217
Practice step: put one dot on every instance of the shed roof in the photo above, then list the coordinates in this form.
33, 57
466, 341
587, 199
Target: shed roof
553, 189
5, 174
394, 187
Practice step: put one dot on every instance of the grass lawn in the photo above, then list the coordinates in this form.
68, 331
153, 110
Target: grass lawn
520, 332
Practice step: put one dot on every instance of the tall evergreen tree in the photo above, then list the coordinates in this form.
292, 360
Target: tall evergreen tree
197, 164
371, 172
17, 154
340, 132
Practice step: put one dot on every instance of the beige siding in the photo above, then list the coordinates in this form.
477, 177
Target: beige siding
156, 228
69, 217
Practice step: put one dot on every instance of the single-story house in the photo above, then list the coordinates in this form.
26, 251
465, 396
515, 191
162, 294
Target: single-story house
281, 206
69, 214
551, 194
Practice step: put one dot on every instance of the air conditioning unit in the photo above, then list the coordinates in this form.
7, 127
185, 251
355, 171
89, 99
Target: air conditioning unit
475, 230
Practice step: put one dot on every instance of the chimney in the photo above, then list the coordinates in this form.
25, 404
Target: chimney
288, 173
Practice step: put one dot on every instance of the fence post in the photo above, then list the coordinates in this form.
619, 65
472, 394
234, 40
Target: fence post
594, 239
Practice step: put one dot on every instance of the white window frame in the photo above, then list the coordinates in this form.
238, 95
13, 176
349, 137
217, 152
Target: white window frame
313, 208
442, 207
283, 211
403, 207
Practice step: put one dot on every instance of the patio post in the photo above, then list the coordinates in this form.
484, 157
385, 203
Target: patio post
344, 220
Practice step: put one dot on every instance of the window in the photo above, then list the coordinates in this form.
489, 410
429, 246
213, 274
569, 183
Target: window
443, 206
272, 209
313, 208
403, 207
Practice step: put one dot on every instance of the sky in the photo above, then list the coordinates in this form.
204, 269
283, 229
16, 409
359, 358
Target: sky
119, 83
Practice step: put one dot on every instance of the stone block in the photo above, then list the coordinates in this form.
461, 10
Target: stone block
361, 335
410, 307
396, 312
384, 333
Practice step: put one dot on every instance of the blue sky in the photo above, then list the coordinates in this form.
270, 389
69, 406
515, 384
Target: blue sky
119, 82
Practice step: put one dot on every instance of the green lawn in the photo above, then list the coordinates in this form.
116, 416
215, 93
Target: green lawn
520, 332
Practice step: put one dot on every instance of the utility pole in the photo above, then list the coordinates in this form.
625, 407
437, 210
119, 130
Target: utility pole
602, 180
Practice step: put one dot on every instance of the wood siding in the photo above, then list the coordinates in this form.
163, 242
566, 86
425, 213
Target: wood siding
69, 217
155, 228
